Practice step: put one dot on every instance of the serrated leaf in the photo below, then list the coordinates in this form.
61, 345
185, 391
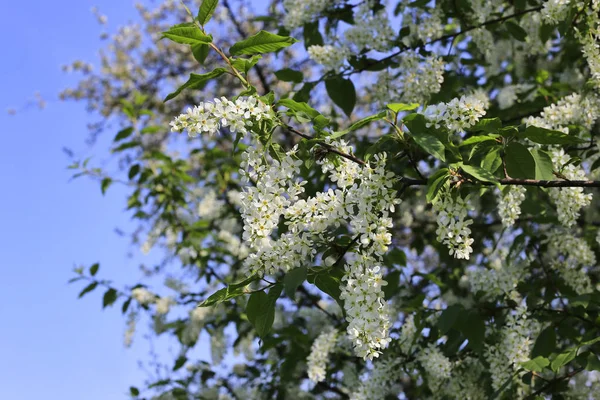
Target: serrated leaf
547, 136
435, 183
537, 364
342, 93
261, 309
207, 9
197, 81
245, 64
292, 281
399, 107
289, 75
519, 161
110, 296
200, 52
227, 293
262, 42
478, 139
479, 173
428, 141
488, 125
543, 165
123, 133
187, 34
563, 359
492, 160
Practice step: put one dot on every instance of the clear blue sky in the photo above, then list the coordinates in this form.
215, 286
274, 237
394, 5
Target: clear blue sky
53, 346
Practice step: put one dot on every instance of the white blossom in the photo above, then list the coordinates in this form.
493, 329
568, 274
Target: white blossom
453, 225
509, 204
319, 355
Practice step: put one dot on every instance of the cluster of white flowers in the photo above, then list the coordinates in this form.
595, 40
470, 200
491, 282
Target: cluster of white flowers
572, 109
569, 200
408, 334
512, 348
501, 279
424, 26
456, 115
297, 13
509, 204
319, 355
465, 382
210, 207
332, 58
163, 305
209, 117
143, 296
420, 77
570, 255
218, 346
380, 382
370, 30
589, 41
508, 95
453, 225
130, 332
555, 11
437, 366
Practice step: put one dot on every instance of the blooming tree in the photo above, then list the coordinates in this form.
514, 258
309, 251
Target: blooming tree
360, 199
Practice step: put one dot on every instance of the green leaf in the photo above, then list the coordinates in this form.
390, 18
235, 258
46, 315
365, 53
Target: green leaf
478, 139
123, 133
197, 81
435, 183
200, 52
109, 297
301, 109
312, 35
547, 136
398, 107
543, 165
125, 305
106, 182
134, 391
516, 31
245, 64
94, 269
428, 142
207, 9
488, 125
519, 161
262, 42
88, 289
537, 364
593, 363
448, 318
180, 362
187, 34
563, 359
359, 124
289, 75
479, 173
545, 343
293, 279
474, 330
330, 285
261, 309
492, 161
342, 92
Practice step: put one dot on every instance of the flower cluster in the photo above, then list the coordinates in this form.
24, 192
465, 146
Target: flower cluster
456, 115
371, 30
501, 279
332, 58
555, 11
572, 109
589, 42
300, 12
408, 334
380, 381
319, 355
453, 225
570, 200
420, 77
568, 254
143, 296
436, 365
209, 117
424, 25
509, 205
508, 95
514, 347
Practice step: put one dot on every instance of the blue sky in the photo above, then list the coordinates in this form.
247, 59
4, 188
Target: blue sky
53, 346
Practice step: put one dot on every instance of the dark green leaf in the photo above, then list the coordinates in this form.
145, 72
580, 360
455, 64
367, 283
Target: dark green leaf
593, 363
187, 34
479, 173
537, 364
207, 8
197, 81
133, 171
180, 362
519, 161
545, 343
293, 279
474, 330
261, 310
312, 36
94, 269
428, 141
488, 125
543, 165
516, 31
547, 136
125, 305
88, 289
492, 161
342, 92
448, 318
109, 297
563, 359
106, 182
134, 391
289, 75
262, 42
123, 133
200, 52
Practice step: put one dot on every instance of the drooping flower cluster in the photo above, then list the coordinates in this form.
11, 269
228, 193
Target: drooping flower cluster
143, 296
572, 109
408, 334
501, 279
569, 200
209, 117
555, 11
512, 348
297, 13
457, 115
453, 225
380, 381
437, 366
332, 58
425, 25
420, 77
509, 205
508, 95
319, 355
371, 30
570, 256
